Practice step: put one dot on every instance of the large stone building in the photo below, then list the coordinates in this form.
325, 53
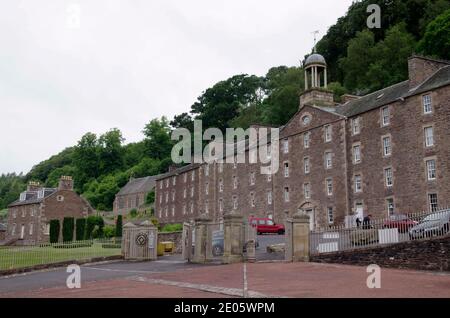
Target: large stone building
29, 217
133, 194
384, 153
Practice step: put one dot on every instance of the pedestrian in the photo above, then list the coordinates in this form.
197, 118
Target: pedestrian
366, 221
358, 222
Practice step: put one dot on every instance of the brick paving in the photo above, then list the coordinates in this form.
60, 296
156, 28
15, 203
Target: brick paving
264, 280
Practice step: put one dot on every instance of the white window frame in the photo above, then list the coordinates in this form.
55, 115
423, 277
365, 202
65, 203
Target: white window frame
328, 133
390, 206
30, 229
306, 140
330, 215
192, 191
358, 183
286, 194
307, 190
174, 180
220, 185
220, 205
286, 169
431, 169
193, 175
252, 178
184, 193
385, 116
252, 199
389, 177
269, 197
286, 145
235, 202
329, 186
356, 154
235, 182
429, 139
328, 160
387, 148
427, 103
356, 126
206, 170
306, 165
207, 188
433, 206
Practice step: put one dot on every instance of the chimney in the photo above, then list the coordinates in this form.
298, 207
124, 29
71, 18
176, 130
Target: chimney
65, 183
421, 68
33, 186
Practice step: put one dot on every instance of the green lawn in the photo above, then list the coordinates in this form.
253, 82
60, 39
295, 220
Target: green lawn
17, 257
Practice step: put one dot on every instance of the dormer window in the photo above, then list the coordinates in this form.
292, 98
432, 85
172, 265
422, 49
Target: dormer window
41, 193
23, 196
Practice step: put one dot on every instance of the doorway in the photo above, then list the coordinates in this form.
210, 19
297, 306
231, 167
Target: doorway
310, 213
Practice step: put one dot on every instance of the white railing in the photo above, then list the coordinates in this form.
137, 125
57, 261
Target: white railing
13, 257
374, 232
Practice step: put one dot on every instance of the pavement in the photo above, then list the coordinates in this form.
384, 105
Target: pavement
171, 277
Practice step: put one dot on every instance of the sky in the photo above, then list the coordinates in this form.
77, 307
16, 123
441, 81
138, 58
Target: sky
68, 67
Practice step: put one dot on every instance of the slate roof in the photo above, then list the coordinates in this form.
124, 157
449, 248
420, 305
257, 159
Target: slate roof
392, 93
2, 227
175, 172
32, 197
138, 185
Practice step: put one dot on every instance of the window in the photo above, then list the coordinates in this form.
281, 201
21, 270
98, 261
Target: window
167, 197
429, 138
387, 146
41, 194
220, 185
22, 231
161, 184
207, 170
167, 183
358, 183
306, 120
206, 207
252, 199
356, 128
166, 211
329, 186
431, 169
286, 194
388, 179
286, 169
30, 229
14, 214
173, 211
286, 145
306, 165
173, 195
192, 192
306, 140
220, 167
269, 197
160, 214
357, 154
328, 160
47, 229
235, 202
24, 212
327, 133
184, 193
13, 230
184, 209
206, 188
193, 175
32, 211
221, 205
60, 198
433, 202
235, 182
174, 180
307, 190
330, 215
192, 207
385, 116
252, 178
390, 206
160, 198
185, 177
427, 106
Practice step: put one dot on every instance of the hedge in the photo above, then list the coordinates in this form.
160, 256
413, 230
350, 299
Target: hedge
91, 223
119, 226
80, 229
68, 229
54, 231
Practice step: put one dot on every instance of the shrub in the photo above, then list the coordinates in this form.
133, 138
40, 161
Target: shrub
112, 245
80, 229
109, 231
119, 226
54, 231
172, 227
94, 227
133, 213
73, 245
68, 227
155, 222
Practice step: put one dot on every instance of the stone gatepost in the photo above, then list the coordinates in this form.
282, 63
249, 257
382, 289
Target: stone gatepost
139, 242
200, 237
233, 238
298, 235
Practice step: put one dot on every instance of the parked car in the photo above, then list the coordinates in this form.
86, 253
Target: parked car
400, 221
435, 224
266, 225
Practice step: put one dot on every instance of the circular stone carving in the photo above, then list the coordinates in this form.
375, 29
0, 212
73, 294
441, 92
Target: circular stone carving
306, 120
141, 239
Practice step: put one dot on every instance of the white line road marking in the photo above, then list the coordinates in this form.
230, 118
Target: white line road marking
245, 291
123, 270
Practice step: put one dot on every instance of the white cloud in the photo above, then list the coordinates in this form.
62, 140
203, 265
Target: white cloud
131, 61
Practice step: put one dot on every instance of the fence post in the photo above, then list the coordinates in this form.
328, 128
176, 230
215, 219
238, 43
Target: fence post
233, 248
300, 238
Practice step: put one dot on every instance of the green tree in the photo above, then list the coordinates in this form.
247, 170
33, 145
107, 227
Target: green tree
157, 140
150, 198
436, 41
68, 229
111, 152
80, 225
86, 159
94, 227
119, 226
54, 231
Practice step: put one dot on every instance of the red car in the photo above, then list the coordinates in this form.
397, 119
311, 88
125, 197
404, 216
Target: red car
399, 221
266, 225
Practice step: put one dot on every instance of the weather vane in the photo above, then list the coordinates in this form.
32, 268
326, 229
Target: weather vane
315, 33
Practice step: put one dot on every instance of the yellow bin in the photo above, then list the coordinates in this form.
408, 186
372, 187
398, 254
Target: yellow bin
168, 246
160, 249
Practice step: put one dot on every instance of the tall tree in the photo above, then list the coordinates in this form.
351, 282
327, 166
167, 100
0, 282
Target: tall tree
111, 154
436, 41
158, 143
86, 159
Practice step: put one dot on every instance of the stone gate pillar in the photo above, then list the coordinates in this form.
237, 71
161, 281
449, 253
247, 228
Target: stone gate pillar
200, 237
299, 238
139, 242
233, 238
